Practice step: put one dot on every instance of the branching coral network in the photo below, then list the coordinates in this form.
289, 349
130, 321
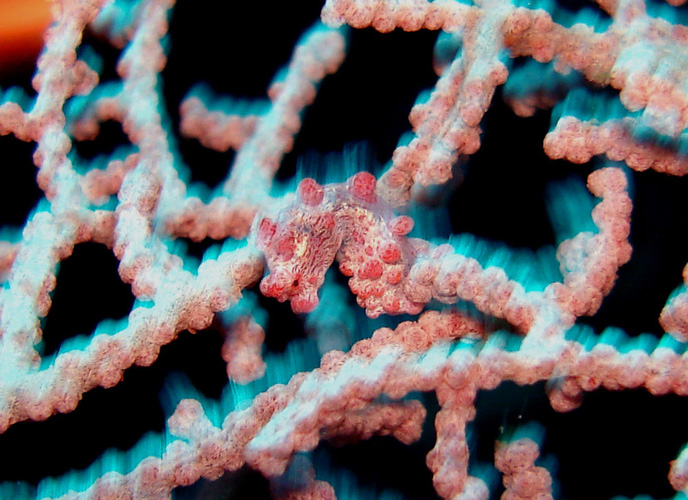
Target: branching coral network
408, 311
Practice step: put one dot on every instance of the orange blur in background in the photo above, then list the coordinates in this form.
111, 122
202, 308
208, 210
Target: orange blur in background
22, 24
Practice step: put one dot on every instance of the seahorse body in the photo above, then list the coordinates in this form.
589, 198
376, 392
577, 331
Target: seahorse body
346, 222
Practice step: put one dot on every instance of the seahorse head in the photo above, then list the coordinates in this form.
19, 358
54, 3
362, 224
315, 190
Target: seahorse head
299, 243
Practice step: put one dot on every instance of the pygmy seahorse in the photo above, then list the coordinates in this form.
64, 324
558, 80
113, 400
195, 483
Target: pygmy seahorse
343, 221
